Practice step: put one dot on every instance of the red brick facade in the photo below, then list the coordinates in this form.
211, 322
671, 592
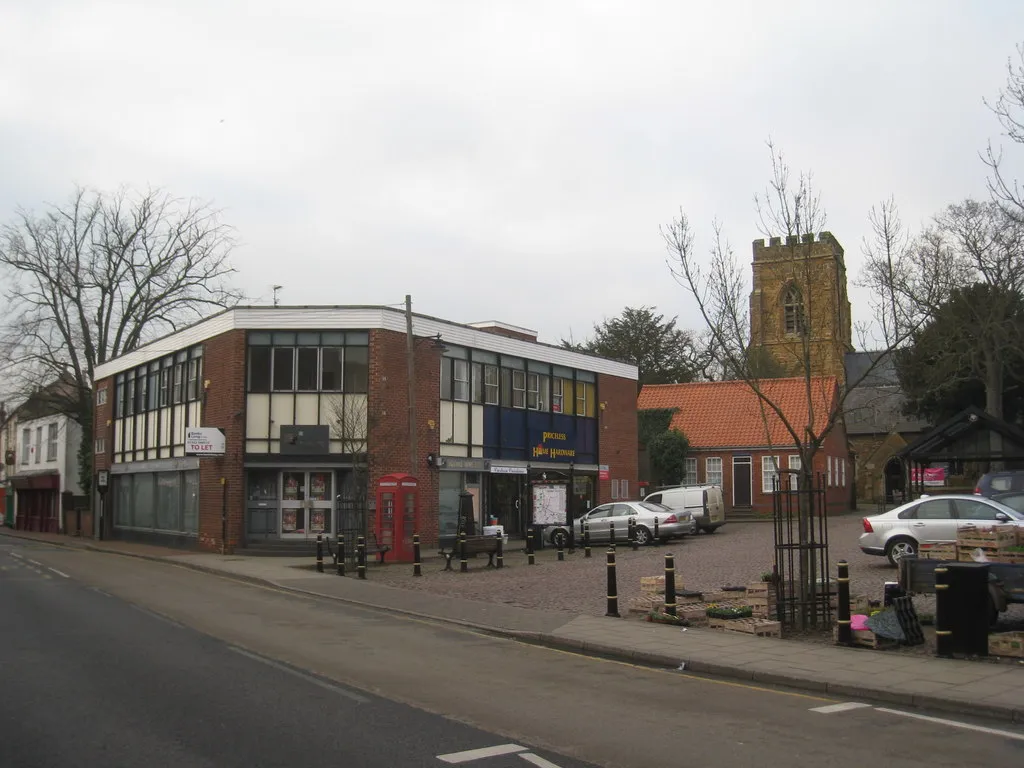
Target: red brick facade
617, 437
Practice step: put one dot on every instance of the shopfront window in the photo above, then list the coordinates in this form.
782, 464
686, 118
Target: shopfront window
190, 502
143, 501
168, 501
448, 503
123, 500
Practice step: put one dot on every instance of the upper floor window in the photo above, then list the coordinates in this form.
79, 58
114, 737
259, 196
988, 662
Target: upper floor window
26, 445
172, 380
51, 442
309, 362
793, 311
39, 445
101, 396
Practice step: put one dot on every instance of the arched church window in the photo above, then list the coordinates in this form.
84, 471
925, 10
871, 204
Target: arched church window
793, 311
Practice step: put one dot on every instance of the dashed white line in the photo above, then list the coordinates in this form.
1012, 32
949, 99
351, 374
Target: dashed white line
59, 573
481, 754
34, 562
301, 675
537, 760
845, 706
953, 723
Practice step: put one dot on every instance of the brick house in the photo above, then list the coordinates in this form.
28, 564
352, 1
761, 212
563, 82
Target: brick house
738, 445
316, 405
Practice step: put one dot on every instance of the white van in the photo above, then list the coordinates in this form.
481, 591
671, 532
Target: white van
704, 502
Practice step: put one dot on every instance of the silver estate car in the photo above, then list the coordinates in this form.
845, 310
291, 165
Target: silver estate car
672, 524
928, 520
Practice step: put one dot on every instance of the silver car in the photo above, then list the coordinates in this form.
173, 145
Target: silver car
671, 524
929, 520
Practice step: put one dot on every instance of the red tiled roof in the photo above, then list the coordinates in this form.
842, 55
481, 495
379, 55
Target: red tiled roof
727, 414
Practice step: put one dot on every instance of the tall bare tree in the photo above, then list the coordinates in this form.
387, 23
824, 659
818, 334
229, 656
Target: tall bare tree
791, 209
97, 276
1008, 108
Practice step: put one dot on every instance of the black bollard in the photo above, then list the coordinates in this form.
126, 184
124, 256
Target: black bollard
341, 554
463, 562
632, 533
361, 557
586, 539
943, 613
319, 553
561, 550
500, 556
670, 585
529, 548
656, 539
611, 531
844, 635
613, 594
417, 569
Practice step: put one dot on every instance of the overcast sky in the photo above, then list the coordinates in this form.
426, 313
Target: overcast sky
509, 161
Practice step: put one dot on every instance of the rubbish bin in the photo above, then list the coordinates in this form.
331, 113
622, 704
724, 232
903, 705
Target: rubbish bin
539, 536
969, 608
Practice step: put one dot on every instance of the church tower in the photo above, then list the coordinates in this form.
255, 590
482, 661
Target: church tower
799, 309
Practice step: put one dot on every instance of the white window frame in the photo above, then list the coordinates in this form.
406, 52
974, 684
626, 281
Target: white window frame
842, 466
689, 471
26, 445
557, 398
615, 489
624, 490
710, 474
51, 441
518, 389
769, 469
100, 448
39, 445
533, 401
795, 463
491, 383
829, 471
101, 396
460, 380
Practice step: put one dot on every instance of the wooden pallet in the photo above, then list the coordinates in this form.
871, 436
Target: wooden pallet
752, 626
995, 538
866, 639
1007, 644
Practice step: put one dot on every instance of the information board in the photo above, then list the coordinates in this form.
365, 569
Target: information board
548, 504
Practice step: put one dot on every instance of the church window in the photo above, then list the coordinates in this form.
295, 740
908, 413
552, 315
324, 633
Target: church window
793, 311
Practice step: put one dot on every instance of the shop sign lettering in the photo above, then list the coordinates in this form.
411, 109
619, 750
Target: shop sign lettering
553, 445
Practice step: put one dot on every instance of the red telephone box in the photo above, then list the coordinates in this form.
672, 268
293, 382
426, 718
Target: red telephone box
398, 515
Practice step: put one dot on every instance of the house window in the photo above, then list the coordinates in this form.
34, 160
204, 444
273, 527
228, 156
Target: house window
129, 396
101, 396
793, 311
624, 489
51, 442
491, 384
518, 389
536, 392
689, 471
713, 470
557, 401
332, 361
581, 399
140, 392
842, 467
178, 385
615, 489
308, 368
830, 471
477, 375
154, 387
284, 369
460, 380
26, 445
795, 463
101, 446
357, 369
165, 386
194, 369
769, 473
39, 445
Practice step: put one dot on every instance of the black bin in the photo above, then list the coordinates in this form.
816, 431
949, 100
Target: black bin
968, 608
538, 536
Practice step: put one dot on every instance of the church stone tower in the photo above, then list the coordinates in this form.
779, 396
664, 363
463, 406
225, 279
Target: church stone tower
799, 309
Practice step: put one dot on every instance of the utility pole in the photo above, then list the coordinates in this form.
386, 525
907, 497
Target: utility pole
276, 289
411, 362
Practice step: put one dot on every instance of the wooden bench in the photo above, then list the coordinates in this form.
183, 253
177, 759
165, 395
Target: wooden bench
373, 548
475, 545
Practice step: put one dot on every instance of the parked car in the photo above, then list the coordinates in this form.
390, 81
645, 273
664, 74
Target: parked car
930, 519
704, 502
992, 483
672, 524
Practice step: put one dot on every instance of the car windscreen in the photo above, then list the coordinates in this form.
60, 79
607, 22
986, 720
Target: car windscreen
650, 506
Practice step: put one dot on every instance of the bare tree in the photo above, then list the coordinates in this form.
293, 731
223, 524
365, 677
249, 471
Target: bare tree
349, 422
1009, 111
94, 278
790, 209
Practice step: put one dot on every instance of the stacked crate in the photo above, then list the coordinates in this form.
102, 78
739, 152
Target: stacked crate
652, 594
945, 550
998, 543
761, 599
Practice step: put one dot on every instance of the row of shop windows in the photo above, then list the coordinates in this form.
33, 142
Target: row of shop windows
309, 362
489, 379
157, 501
172, 380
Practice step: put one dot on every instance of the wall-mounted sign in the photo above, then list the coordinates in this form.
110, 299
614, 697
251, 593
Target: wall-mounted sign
502, 470
551, 446
205, 441
603, 472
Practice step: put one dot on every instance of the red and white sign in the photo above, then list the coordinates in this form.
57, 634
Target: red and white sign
205, 441
933, 476
603, 472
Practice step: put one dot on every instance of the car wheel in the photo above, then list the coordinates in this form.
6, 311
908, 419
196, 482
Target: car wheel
643, 536
559, 538
899, 548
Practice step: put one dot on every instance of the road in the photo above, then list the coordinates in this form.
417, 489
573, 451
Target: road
116, 661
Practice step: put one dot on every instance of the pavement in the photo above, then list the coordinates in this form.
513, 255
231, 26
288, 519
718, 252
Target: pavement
973, 687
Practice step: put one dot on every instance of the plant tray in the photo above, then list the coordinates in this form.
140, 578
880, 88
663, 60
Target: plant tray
751, 626
866, 639
1007, 644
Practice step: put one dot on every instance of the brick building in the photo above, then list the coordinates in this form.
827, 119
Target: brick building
737, 444
316, 406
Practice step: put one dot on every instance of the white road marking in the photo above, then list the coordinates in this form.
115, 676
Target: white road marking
15, 554
844, 707
99, 591
59, 573
157, 616
34, 562
481, 754
953, 723
301, 675
537, 760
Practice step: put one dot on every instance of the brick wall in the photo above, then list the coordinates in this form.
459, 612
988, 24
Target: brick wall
617, 434
224, 367
103, 424
388, 419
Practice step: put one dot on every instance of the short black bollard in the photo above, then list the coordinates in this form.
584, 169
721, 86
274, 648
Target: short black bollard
657, 540
844, 627
417, 569
529, 548
670, 585
500, 556
319, 553
632, 533
611, 531
341, 554
613, 594
463, 562
561, 548
361, 557
586, 539
943, 613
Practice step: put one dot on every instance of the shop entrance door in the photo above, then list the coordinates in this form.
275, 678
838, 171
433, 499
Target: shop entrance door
508, 502
307, 503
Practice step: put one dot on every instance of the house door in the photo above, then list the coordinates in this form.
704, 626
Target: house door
742, 477
307, 504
